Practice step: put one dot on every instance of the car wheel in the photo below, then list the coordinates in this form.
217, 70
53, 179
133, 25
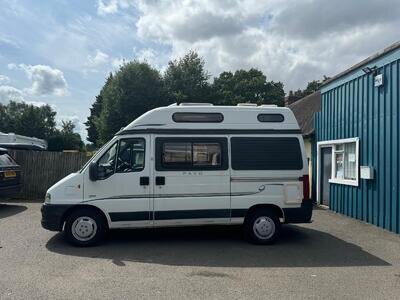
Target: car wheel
262, 227
85, 227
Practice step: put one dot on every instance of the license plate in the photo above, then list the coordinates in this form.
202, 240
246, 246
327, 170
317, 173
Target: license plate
9, 174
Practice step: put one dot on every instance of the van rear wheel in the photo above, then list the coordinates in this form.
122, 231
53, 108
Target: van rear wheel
85, 227
262, 227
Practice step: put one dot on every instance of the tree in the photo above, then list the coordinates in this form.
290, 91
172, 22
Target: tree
247, 86
65, 139
26, 119
311, 87
137, 88
186, 79
39, 121
92, 123
133, 90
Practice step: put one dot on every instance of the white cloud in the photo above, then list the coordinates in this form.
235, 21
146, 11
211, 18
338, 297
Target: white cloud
8, 41
99, 59
105, 7
45, 80
8, 93
291, 41
153, 57
12, 66
4, 79
96, 61
117, 62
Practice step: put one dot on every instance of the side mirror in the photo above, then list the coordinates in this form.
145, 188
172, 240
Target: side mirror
93, 171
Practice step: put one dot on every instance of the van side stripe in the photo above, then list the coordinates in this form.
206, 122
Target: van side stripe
238, 213
141, 196
178, 214
209, 131
130, 216
191, 214
263, 179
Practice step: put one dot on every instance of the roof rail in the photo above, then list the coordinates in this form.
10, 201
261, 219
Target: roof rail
268, 105
195, 104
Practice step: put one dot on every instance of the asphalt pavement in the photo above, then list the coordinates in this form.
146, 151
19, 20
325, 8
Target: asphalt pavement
334, 257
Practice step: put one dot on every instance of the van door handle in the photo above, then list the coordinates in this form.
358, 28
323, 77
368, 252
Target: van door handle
160, 180
145, 180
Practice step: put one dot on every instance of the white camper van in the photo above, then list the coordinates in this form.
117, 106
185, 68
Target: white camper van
189, 164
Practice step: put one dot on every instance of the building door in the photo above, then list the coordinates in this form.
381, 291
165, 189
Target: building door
326, 172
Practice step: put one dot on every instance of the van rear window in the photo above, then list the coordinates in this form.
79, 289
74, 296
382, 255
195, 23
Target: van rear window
183, 117
269, 153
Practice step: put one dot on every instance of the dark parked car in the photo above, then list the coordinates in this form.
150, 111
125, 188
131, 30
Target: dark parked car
10, 175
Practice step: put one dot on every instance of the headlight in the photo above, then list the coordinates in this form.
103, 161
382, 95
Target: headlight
47, 198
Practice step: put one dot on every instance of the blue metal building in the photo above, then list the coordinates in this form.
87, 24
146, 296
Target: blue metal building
357, 151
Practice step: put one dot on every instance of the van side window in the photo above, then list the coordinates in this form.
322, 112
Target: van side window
266, 153
206, 154
191, 154
131, 153
130, 158
175, 154
106, 163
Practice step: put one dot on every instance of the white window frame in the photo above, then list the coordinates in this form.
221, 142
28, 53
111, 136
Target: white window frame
333, 143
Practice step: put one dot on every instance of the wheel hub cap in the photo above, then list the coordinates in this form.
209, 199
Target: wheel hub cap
84, 228
264, 227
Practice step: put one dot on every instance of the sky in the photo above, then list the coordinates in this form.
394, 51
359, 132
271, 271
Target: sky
59, 52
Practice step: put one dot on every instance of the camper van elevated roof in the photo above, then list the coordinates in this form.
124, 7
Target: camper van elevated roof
175, 118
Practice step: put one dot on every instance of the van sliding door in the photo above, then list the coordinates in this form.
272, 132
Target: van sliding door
191, 180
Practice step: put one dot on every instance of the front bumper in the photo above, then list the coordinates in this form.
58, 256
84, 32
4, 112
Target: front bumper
9, 191
53, 216
301, 214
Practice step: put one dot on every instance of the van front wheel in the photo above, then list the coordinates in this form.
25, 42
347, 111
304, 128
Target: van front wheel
85, 227
262, 227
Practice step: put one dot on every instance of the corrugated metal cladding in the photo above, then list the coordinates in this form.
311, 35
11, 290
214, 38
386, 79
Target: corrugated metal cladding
352, 107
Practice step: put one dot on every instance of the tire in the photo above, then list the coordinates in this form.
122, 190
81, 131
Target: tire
262, 227
85, 227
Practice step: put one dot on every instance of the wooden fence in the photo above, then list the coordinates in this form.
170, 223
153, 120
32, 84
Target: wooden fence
41, 169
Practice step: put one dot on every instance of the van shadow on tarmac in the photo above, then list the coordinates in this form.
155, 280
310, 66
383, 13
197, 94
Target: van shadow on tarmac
222, 247
8, 210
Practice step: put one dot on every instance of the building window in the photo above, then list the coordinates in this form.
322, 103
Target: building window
186, 154
345, 160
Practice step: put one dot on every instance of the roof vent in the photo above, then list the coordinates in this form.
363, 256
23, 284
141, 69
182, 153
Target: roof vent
195, 104
247, 104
